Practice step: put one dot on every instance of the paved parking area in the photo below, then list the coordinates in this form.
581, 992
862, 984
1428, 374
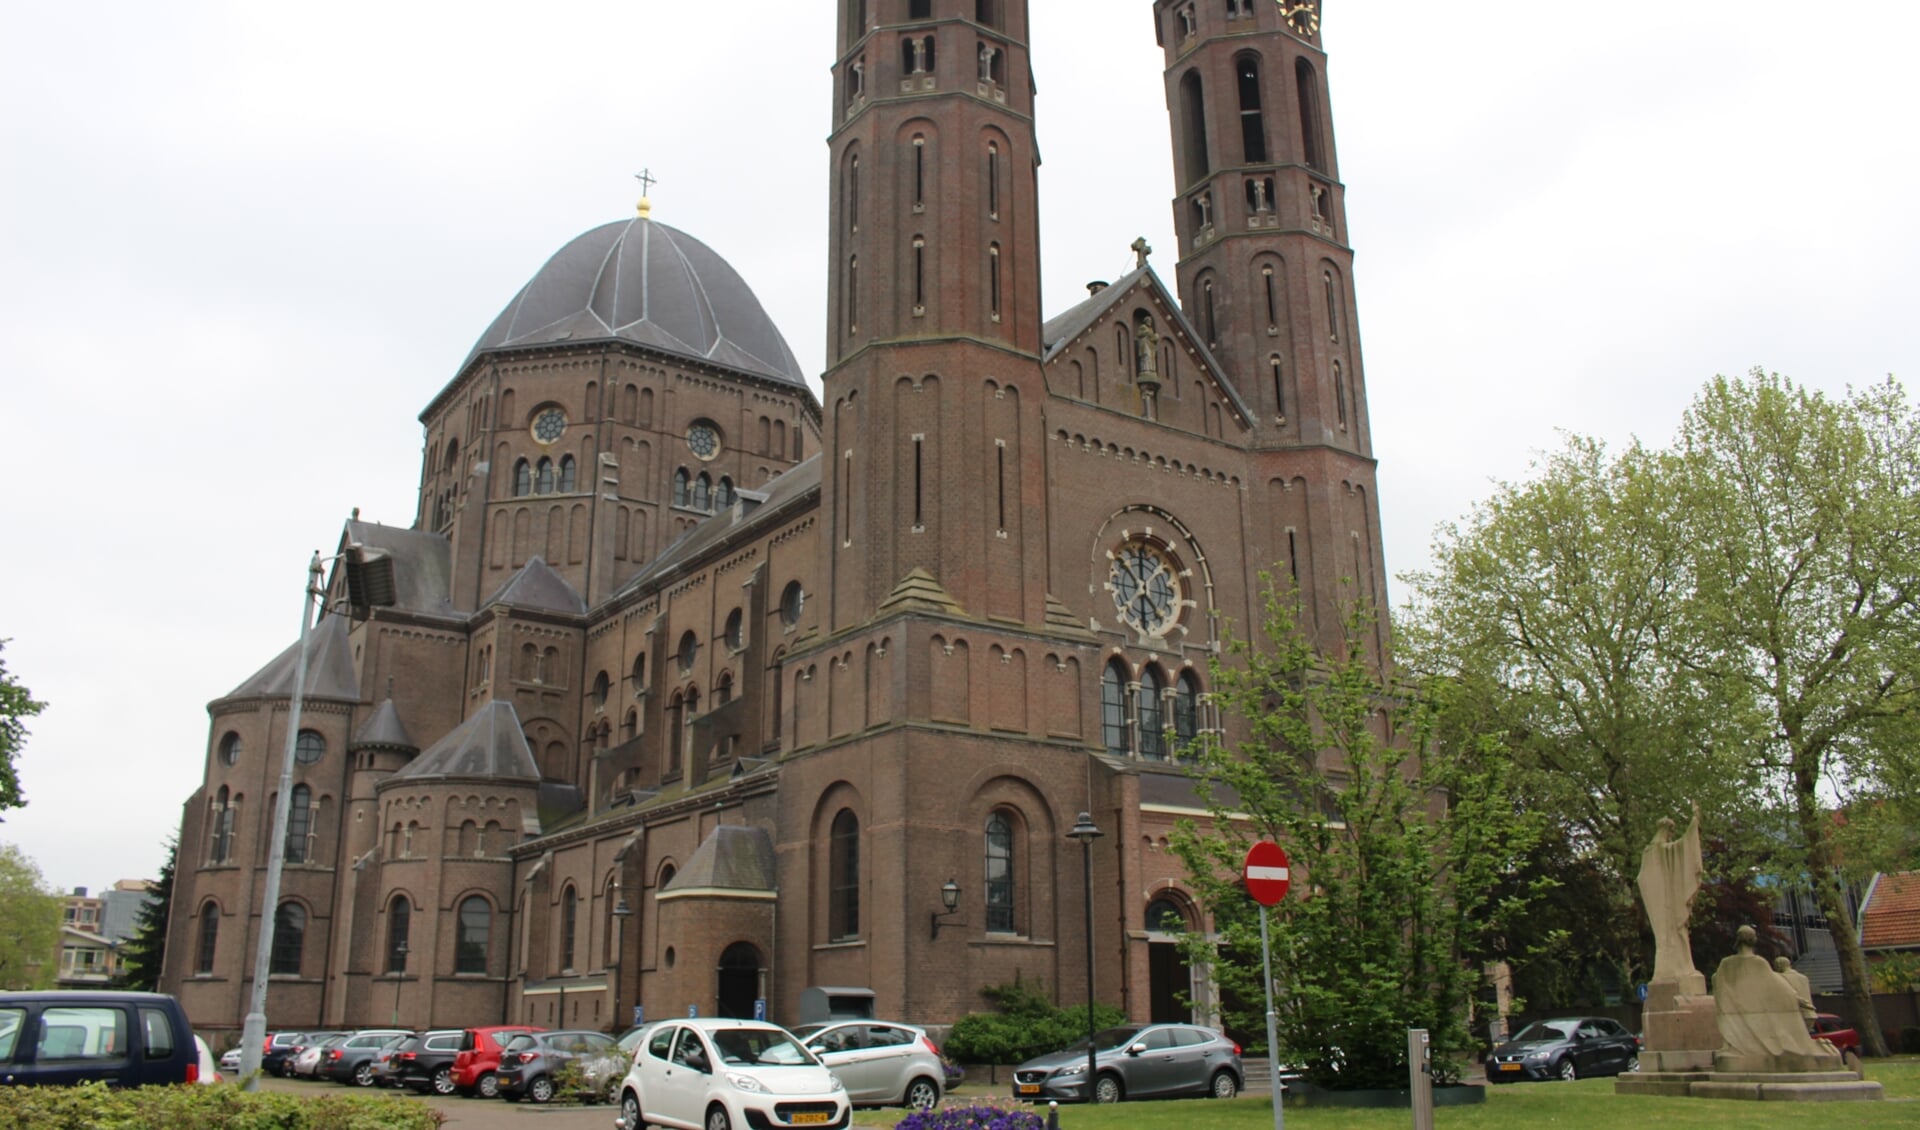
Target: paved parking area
473, 1114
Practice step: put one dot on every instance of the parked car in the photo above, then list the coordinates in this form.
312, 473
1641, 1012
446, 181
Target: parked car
477, 1065
351, 1060
306, 1065
230, 1060
532, 1064
386, 1061
207, 1073
285, 1047
713, 1074
127, 1039
1567, 1048
425, 1063
1137, 1061
1841, 1034
878, 1062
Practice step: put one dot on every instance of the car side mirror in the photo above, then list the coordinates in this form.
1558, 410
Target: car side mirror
1137, 1049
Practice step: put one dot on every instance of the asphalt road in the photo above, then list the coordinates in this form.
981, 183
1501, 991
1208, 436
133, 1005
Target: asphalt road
473, 1114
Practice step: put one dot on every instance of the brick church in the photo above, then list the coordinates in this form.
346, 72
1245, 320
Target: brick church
700, 690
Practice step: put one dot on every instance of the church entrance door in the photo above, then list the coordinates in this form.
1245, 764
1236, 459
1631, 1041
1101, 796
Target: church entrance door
740, 973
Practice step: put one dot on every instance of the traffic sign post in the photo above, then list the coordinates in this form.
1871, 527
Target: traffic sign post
1268, 875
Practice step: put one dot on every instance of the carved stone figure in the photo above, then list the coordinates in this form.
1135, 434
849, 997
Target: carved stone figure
1802, 988
1669, 880
1759, 1017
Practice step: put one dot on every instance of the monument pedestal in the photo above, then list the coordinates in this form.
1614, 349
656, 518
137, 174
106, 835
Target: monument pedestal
1793, 1087
1681, 1032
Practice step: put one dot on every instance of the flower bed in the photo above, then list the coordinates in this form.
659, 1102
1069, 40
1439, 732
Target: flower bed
985, 1115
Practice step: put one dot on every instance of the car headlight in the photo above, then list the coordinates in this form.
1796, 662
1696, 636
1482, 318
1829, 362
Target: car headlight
745, 1083
1537, 1057
1076, 1069
837, 1084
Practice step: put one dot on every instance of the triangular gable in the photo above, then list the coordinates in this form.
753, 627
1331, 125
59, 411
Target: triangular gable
330, 672
536, 586
489, 745
1099, 313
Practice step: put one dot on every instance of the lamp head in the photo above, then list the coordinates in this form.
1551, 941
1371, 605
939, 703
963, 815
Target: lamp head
950, 895
1086, 831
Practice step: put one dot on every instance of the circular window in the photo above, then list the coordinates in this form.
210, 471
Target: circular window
703, 439
1145, 585
309, 747
689, 647
792, 601
736, 635
549, 425
231, 749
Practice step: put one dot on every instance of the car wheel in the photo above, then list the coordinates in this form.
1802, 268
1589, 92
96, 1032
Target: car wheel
541, 1090
921, 1094
443, 1081
1632, 1065
489, 1087
1106, 1089
1568, 1072
363, 1075
1225, 1086
630, 1112
717, 1119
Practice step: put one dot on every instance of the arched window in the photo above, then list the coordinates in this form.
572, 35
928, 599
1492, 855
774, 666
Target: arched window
1164, 916
1186, 712
222, 844
1340, 395
987, 12
703, 492
309, 747
723, 494
843, 878
289, 938
723, 690
792, 600
676, 734
1153, 742
1193, 119
630, 726
999, 875
680, 480
735, 631
522, 478
453, 457
920, 10
640, 672
470, 948
543, 477
569, 924
299, 823
209, 937
231, 749
1253, 128
1308, 89
399, 926
1113, 709
569, 475
1333, 306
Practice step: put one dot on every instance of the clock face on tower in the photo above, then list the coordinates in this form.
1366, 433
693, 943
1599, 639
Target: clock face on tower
1145, 586
549, 425
703, 440
1303, 18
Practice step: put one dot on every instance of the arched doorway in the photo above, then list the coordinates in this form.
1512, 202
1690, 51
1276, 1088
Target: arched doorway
1169, 977
740, 979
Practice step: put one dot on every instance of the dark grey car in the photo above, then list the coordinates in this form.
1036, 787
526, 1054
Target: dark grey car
1137, 1062
1573, 1047
530, 1065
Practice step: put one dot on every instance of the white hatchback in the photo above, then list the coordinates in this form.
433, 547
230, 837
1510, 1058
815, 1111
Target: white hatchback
707, 1074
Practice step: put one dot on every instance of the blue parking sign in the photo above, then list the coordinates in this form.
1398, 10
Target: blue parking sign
639, 1015
760, 1010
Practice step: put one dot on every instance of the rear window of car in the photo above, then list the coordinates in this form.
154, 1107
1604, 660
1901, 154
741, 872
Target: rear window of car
446, 1043
158, 1027
520, 1043
10, 1021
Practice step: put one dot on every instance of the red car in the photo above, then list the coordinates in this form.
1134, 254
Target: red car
1839, 1033
476, 1069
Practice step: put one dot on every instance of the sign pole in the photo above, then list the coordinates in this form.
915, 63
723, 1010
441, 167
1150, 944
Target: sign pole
1268, 874
1273, 1029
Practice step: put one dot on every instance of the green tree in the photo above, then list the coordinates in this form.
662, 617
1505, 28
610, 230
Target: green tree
29, 924
16, 703
1404, 839
145, 953
1801, 522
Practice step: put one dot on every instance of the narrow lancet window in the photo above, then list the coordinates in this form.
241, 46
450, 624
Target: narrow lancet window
1253, 129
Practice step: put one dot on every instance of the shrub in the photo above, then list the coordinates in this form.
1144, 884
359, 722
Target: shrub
979, 1116
95, 1106
584, 1080
1027, 1025
1910, 1041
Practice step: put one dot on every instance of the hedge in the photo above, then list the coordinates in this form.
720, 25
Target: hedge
95, 1106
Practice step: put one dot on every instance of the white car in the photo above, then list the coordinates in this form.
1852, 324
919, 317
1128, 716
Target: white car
708, 1074
879, 1063
207, 1074
230, 1059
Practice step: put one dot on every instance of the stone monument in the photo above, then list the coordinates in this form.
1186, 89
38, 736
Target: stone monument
1678, 1019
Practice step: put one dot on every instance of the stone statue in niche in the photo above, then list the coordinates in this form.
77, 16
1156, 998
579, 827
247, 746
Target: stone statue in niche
1260, 196
1146, 343
1669, 880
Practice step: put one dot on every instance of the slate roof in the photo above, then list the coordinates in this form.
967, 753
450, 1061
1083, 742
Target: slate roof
384, 731
422, 564
736, 857
651, 284
330, 671
755, 508
490, 745
1890, 917
537, 586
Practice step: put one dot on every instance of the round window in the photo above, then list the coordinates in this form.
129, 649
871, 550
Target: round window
703, 439
231, 749
792, 601
309, 747
549, 425
1145, 586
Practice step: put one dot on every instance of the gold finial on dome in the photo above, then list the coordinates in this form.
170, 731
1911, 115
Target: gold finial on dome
647, 181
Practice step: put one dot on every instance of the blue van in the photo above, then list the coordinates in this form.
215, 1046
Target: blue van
126, 1039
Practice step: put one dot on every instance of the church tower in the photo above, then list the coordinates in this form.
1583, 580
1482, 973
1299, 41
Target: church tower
1265, 276
933, 458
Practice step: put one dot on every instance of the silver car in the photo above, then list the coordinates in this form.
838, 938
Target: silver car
879, 1063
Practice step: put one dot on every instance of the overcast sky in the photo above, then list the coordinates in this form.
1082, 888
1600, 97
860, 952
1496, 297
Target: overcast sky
243, 244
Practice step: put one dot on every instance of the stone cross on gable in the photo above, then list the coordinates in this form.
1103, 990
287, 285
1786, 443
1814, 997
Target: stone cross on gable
1142, 249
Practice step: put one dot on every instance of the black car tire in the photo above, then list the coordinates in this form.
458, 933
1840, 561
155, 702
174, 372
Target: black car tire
922, 1094
540, 1090
488, 1086
630, 1112
363, 1075
1107, 1089
443, 1081
1224, 1085
1632, 1065
717, 1118
1567, 1072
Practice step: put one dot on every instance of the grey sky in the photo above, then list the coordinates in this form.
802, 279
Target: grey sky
243, 244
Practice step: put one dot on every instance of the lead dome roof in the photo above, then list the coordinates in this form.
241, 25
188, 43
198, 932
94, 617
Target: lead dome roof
645, 282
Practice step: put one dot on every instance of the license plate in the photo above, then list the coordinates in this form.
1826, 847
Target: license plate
1029, 1088
1509, 1067
810, 1118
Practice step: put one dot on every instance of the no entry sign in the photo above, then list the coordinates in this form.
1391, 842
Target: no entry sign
1267, 873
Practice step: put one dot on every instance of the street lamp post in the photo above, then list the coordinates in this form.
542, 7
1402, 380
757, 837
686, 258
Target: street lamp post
399, 975
1086, 832
621, 912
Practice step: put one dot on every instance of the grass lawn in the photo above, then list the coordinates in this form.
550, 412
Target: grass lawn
1586, 1105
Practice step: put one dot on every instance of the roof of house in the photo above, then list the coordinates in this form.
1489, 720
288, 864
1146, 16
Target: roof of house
1890, 917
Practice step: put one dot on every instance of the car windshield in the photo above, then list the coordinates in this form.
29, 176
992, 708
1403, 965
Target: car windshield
1108, 1040
1543, 1031
759, 1046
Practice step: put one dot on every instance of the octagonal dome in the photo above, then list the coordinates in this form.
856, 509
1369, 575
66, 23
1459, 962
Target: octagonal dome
645, 282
